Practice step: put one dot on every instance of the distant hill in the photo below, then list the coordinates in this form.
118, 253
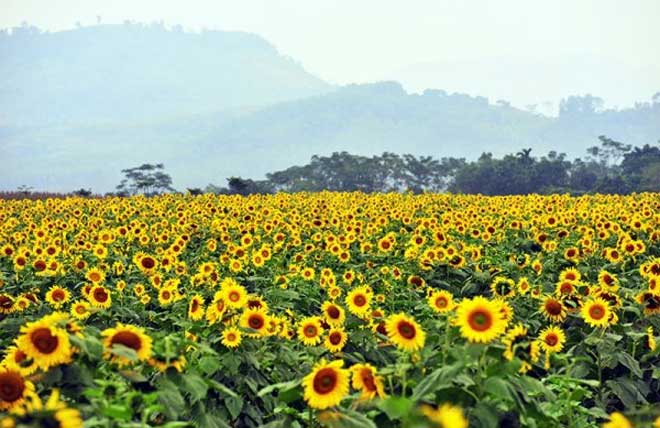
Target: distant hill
131, 72
78, 106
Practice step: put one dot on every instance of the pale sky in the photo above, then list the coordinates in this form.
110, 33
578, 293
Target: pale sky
526, 51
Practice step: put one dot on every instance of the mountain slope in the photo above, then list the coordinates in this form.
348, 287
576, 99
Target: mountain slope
127, 72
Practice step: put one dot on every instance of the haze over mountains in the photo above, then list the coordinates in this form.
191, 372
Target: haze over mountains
78, 106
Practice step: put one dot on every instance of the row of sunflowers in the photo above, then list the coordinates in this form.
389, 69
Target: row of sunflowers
331, 309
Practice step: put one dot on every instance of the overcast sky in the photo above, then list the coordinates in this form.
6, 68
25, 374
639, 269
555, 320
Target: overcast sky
525, 51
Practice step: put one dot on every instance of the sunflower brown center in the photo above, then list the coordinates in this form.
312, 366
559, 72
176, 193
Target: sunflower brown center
551, 339
553, 307
368, 380
325, 381
100, 295
58, 295
148, 263
12, 386
480, 320
234, 296
256, 322
406, 329
335, 338
597, 312
441, 302
195, 306
360, 300
333, 312
128, 339
310, 331
44, 341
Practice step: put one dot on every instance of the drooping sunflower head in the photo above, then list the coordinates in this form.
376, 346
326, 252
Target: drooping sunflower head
129, 336
326, 385
480, 320
405, 333
366, 380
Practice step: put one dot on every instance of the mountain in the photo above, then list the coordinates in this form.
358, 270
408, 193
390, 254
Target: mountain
132, 72
86, 103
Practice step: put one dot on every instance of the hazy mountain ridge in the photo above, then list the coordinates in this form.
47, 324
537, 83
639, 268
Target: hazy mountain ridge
78, 106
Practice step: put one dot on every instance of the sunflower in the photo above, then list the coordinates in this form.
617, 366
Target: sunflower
146, 263
80, 310
570, 274
130, 336
480, 320
650, 300
445, 416
326, 385
95, 275
14, 389
166, 295
6, 304
441, 301
310, 331
99, 297
503, 287
57, 296
231, 337
17, 359
523, 286
553, 309
617, 420
48, 346
333, 314
596, 312
366, 380
358, 301
216, 310
552, 339
196, 308
234, 294
335, 340
650, 339
404, 332
256, 320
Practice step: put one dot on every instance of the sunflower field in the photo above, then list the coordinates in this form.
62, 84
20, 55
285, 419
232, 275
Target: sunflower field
340, 310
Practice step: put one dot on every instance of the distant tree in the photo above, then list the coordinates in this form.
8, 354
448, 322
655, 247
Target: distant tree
195, 191
24, 189
147, 179
83, 193
577, 106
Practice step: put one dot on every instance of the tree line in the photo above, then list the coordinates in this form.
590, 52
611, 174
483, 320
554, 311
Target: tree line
610, 167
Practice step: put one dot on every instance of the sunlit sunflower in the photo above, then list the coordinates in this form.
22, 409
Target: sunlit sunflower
6, 304
57, 296
617, 420
333, 314
326, 385
596, 312
80, 310
650, 301
310, 331
366, 380
480, 320
553, 309
95, 275
335, 340
14, 388
404, 332
552, 339
445, 416
196, 308
234, 294
100, 297
216, 310
47, 345
231, 337
130, 336
255, 320
17, 359
358, 301
166, 295
441, 301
